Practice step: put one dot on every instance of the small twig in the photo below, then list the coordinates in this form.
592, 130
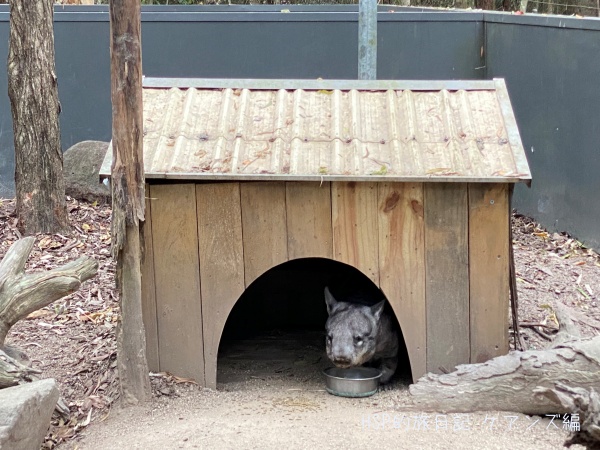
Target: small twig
541, 333
514, 296
531, 325
32, 343
527, 280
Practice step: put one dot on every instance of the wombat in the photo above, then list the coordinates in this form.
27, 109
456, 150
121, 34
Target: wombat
359, 334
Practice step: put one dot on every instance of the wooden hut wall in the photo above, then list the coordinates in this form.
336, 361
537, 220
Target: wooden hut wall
439, 252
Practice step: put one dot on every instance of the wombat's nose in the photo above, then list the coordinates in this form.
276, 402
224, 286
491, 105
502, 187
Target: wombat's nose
341, 361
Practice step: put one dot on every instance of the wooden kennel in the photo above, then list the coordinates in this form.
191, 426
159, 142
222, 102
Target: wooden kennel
407, 181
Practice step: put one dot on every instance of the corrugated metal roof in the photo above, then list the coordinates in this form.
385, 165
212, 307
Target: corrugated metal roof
257, 132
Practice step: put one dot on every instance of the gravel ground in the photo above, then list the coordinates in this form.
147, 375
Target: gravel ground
73, 341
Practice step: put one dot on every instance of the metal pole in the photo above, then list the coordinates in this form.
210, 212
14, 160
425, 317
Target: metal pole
367, 40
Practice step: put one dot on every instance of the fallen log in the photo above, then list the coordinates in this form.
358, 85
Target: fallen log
583, 403
508, 383
21, 294
13, 372
15, 369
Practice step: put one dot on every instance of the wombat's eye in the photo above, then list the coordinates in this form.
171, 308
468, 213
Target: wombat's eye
358, 340
329, 338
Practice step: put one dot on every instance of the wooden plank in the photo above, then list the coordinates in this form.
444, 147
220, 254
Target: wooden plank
221, 263
489, 211
308, 207
177, 277
402, 264
148, 289
264, 227
354, 219
447, 275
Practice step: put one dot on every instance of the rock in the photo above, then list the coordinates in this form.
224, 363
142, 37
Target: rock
25, 413
81, 164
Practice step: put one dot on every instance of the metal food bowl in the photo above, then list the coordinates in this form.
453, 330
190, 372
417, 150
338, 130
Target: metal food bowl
352, 382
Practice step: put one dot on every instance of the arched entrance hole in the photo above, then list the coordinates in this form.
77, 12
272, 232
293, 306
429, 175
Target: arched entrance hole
275, 332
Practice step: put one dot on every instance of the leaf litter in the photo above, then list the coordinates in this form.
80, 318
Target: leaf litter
554, 268
73, 339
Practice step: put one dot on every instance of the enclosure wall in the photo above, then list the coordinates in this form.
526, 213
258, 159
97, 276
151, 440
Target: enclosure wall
548, 62
552, 76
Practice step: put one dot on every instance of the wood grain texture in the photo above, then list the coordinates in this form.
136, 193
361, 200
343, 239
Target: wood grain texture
128, 199
489, 211
148, 289
514, 382
354, 222
309, 230
221, 263
447, 275
177, 275
264, 227
402, 264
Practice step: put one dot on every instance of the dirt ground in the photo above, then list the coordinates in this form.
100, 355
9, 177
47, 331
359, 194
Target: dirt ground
267, 402
270, 396
275, 416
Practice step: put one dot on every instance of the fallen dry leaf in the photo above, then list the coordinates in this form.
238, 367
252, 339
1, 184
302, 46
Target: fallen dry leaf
39, 314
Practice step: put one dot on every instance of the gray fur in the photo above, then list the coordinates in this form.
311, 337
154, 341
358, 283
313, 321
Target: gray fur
359, 334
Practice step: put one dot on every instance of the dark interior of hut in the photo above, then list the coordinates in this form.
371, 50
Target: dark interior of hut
275, 333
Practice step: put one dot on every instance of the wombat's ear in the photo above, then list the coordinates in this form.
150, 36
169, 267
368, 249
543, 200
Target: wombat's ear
378, 309
330, 301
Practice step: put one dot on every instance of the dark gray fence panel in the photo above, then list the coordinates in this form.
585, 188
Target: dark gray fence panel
7, 157
552, 75
431, 46
261, 48
83, 69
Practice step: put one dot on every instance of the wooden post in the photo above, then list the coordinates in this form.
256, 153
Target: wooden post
128, 195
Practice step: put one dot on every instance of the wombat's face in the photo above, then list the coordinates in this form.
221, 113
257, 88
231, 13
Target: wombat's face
351, 332
350, 336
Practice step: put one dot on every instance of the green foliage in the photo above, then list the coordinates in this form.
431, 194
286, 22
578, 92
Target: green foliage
382, 170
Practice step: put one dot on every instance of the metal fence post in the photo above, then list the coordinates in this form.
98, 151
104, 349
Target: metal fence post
367, 40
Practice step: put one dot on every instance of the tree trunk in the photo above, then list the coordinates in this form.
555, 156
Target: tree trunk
464, 4
488, 5
33, 92
131, 337
127, 180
